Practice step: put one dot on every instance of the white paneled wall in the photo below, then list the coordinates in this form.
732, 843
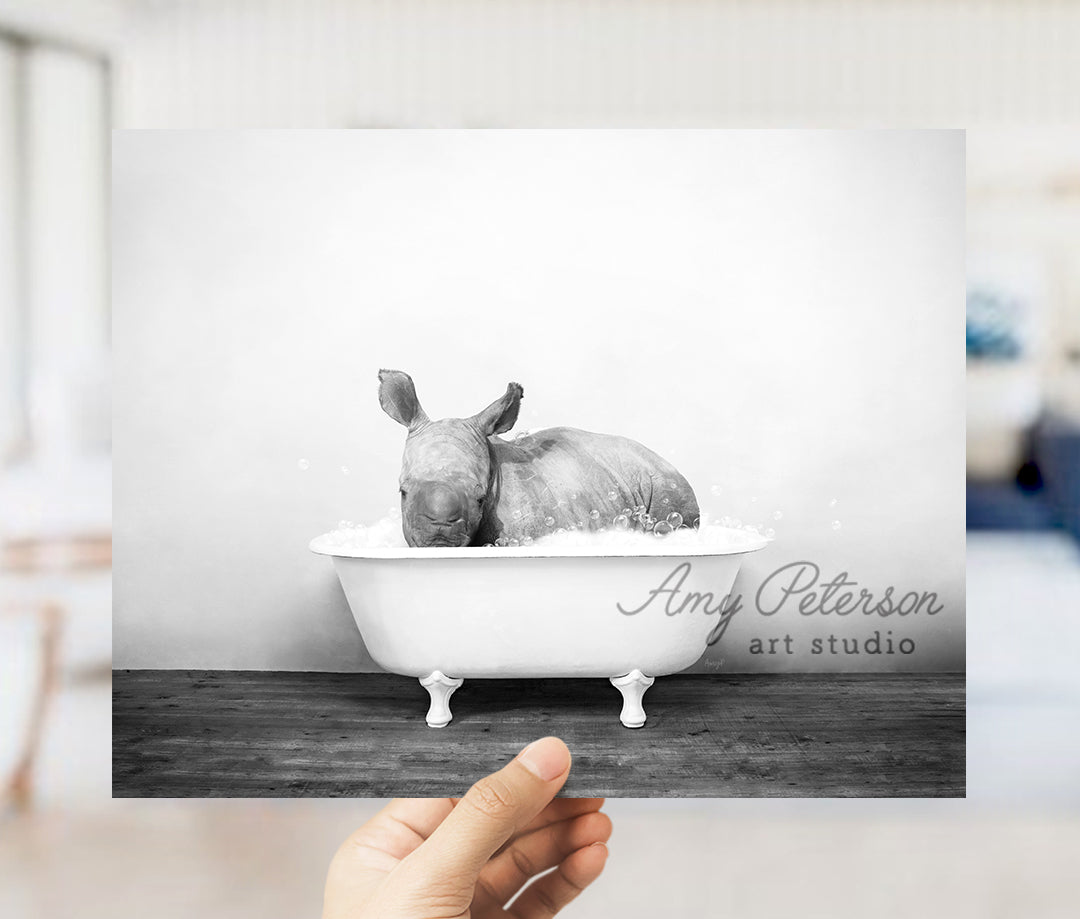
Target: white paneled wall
66, 246
10, 353
248, 63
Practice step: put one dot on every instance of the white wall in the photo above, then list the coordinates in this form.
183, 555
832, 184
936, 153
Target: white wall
781, 314
632, 63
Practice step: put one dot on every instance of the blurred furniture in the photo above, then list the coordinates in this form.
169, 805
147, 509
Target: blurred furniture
1057, 451
1045, 495
1003, 403
34, 561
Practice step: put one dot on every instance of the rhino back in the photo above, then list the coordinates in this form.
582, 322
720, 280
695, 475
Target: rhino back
563, 477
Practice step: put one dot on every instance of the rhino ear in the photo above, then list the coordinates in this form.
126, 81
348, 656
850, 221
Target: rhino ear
397, 396
502, 414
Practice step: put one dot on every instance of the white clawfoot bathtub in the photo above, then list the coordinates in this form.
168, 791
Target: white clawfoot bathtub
446, 615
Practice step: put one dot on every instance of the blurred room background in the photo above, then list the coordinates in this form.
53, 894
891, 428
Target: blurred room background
71, 70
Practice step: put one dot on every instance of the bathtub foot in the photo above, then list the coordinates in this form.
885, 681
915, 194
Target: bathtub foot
632, 686
440, 687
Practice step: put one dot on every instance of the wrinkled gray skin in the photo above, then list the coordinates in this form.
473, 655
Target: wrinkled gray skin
461, 485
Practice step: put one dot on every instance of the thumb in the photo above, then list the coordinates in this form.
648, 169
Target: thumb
492, 811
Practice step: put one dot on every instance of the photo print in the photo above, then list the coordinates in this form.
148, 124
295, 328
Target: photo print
429, 441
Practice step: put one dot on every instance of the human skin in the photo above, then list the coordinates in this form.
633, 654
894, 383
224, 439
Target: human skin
442, 858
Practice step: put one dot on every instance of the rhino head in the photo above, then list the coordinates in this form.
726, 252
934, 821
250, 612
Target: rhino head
446, 470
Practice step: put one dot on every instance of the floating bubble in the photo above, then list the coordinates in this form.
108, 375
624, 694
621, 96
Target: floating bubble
673, 485
778, 515
304, 465
621, 522
836, 524
665, 500
663, 528
770, 533
675, 519
549, 521
501, 541
527, 541
516, 513
560, 530
627, 511
594, 514
514, 542
613, 494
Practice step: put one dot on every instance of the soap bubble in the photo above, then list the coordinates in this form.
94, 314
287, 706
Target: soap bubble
526, 540
675, 519
517, 513
304, 465
501, 541
778, 515
549, 521
622, 522
663, 528
665, 500
770, 533
560, 530
613, 494
594, 514
673, 485
514, 542
836, 524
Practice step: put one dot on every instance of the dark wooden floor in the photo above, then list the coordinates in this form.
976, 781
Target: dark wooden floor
246, 734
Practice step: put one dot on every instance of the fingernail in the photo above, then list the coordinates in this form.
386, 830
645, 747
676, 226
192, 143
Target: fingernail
546, 758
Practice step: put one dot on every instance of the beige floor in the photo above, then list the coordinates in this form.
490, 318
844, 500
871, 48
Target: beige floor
174, 860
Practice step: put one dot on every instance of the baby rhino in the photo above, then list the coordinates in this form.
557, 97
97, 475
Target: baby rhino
463, 486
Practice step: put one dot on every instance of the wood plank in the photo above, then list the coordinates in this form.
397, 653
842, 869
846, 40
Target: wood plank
255, 734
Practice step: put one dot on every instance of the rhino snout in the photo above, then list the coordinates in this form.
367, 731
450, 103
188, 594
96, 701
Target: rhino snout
437, 515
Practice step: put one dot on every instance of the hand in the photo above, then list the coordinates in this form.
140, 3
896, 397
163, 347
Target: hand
440, 858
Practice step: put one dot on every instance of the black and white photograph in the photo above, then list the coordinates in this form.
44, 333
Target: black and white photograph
425, 442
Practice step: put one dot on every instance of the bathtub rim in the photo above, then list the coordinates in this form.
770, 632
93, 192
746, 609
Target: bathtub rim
753, 543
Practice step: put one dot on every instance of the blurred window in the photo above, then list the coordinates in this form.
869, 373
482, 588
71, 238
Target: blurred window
54, 296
